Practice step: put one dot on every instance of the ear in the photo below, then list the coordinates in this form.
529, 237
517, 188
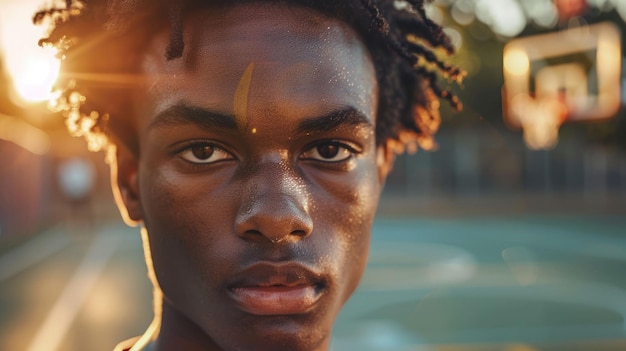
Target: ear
124, 182
385, 158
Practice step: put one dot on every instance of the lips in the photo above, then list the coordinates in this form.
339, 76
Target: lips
273, 289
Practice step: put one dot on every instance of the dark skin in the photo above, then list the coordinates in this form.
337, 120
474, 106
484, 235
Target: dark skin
257, 178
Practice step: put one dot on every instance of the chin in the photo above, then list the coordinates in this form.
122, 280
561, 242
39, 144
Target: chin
289, 333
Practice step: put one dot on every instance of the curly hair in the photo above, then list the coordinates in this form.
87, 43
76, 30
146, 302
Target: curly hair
100, 43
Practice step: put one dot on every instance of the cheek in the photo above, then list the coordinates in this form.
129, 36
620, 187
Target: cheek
169, 200
351, 198
346, 250
347, 213
174, 200
185, 218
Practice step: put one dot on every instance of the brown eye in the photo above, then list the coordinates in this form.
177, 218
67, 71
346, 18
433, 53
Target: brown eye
204, 153
329, 152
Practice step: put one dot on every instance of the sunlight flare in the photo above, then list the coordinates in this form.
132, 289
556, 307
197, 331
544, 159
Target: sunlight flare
33, 70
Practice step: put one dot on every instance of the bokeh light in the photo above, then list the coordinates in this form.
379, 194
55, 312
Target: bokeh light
516, 61
505, 17
508, 18
620, 5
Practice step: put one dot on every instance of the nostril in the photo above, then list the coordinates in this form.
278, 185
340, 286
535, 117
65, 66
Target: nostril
299, 233
254, 233
257, 235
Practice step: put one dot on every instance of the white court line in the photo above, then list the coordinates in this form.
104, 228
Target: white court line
32, 252
60, 318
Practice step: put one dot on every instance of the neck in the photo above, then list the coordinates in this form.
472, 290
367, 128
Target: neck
177, 332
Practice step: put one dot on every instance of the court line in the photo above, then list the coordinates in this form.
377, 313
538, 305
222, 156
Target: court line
64, 311
32, 252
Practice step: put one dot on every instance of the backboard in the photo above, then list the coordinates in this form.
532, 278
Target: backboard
570, 75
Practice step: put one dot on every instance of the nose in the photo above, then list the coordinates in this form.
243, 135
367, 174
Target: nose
274, 207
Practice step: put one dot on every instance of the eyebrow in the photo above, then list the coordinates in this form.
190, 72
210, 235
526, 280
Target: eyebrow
185, 114
326, 123
207, 119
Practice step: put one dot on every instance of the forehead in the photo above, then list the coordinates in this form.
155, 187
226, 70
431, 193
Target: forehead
295, 55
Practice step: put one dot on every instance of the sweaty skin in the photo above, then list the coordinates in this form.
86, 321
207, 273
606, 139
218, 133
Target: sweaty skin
257, 238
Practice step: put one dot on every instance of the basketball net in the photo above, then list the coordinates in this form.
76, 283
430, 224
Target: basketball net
540, 120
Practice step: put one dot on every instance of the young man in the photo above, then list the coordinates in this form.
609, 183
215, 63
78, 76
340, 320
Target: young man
252, 140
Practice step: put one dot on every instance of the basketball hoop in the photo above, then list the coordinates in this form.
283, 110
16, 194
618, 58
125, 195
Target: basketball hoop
539, 95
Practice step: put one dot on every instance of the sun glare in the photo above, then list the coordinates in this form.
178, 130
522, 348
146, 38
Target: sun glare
36, 76
32, 69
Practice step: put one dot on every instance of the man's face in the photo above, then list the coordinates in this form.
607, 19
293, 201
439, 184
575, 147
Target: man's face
257, 177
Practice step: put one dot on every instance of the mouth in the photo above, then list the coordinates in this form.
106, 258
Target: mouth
269, 289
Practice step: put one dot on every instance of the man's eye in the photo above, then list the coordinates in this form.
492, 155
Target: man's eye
329, 152
204, 153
